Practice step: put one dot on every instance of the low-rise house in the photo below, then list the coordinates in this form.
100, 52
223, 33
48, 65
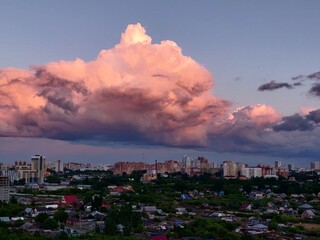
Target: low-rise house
257, 229
69, 200
271, 205
247, 206
305, 206
74, 232
185, 197
181, 211
5, 219
30, 227
179, 222
14, 219
159, 237
149, 209
98, 215
29, 212
41, 210
271, 211
84, 186
307, 214
217, 215
115, 194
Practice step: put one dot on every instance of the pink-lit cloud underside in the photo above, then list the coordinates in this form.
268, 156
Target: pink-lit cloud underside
136, 92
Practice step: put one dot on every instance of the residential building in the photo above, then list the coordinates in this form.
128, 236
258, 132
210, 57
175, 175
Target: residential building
229, 169
315, 165
58, 166
291, 167
250, 172
74, 166
25, 171
186, 161
266, 170
4, 189
38, 165
239, 166
277, 164
129, 167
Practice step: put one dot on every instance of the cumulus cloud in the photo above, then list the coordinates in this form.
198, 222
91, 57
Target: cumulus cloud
137, 91
260, 129
245, 130
144, 93
306, 110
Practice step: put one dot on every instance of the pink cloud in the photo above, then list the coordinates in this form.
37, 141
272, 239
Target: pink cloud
141, 92
261, 114
306, 110
137, 91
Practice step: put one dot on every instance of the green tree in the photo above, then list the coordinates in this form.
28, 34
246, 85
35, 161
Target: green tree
50, 223
97, 201
129, 219
41, 217
20, 182
53, 179
273, 225
110, 226
60, 216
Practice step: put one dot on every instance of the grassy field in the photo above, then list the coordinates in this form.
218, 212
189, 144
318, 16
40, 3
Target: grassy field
309, 226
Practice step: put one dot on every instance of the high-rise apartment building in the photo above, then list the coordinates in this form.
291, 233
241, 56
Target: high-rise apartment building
4, 189
290, 167
315, 165
186, 161
58, 166
250, 172
277, 164
38, 164
229, 169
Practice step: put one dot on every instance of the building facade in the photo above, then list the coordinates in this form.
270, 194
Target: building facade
58, 166
250, 172
229, 169
4, 189
315, 165
38, 163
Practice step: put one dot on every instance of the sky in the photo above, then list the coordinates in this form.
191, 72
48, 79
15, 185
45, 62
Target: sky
108, 81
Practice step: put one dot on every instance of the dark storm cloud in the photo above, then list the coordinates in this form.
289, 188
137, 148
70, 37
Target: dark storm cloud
314, 116
315, 90
314, 76
295, 122
299, 77
258, 130
273, 85
296, 84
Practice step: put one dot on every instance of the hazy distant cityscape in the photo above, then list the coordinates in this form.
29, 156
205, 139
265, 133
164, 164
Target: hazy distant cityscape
36, 170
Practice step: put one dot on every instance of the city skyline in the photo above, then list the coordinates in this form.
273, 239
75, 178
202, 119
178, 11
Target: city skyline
103, 83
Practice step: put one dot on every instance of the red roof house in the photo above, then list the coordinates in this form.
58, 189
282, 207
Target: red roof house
69, 200
159, 237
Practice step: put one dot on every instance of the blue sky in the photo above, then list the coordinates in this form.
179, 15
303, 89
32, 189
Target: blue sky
244, 44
